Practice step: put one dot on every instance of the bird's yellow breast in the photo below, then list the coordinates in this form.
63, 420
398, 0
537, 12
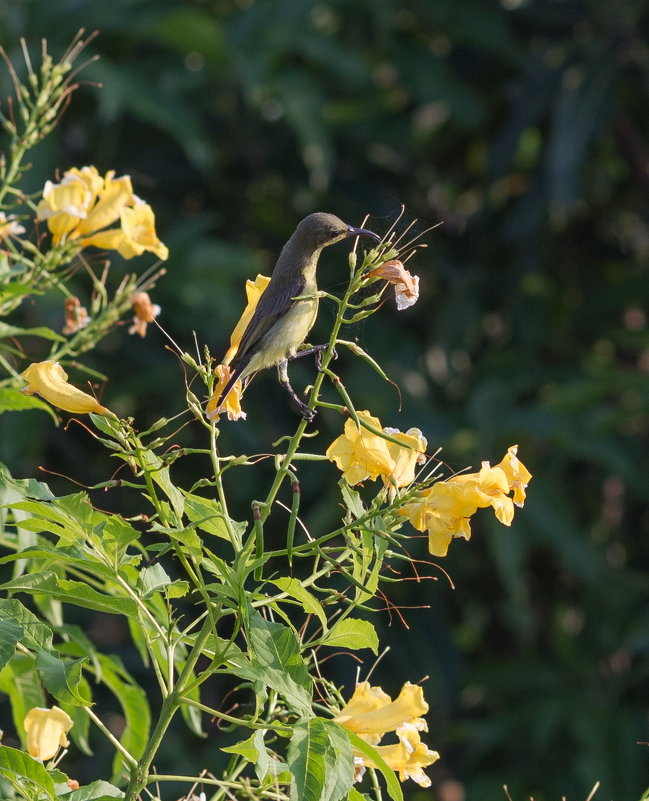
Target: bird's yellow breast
286, 336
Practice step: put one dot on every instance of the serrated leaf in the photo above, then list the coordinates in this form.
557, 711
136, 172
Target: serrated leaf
320, 760
35, 634
152, 579
392, 783
177, 589
73, 592
17, 765
310, 604
276, 652
353, 634
11, 633
62, 678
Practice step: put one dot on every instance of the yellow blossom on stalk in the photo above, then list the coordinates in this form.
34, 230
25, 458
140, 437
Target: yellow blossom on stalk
406, 285
46, 731
370, 713
83, 204
444, 509
49, 380
231, 405
64, 205
145, 313
254, 290
360, 453
9, 226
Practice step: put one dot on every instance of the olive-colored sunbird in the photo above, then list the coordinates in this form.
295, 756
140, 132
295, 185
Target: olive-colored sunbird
287, 308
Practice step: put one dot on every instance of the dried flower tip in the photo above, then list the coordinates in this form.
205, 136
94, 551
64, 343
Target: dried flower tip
406, 285
231, 405
9, 226
76, 316
145, 312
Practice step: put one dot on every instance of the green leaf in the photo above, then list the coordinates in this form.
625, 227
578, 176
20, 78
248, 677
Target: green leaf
276, 652
353, 634
11, 633
62, 679
135, 707
153, 579
17, 765
73, 592
95, 791
19, 681
246, 748
35, 634
13, 400
207, 515
392, 783
310, 604
177, 589
320, 760
40, 331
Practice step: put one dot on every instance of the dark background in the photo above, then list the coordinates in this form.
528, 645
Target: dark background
522, 127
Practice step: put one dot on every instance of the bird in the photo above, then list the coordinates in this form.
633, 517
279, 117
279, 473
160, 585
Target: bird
287, 309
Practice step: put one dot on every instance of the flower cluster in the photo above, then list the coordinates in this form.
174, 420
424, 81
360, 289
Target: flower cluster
363, 452
83, 205
444, 509
371, 713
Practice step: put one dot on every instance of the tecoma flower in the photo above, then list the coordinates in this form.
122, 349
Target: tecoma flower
112, 197
230, 405
254, 290
406, 285
444, 509
64, 205
135, 236
361, 454
145, 313
46, 731
49, 380
370, 713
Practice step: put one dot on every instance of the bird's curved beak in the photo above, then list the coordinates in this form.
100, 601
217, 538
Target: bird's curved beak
351, 231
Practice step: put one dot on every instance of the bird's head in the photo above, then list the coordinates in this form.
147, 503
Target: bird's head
320, 230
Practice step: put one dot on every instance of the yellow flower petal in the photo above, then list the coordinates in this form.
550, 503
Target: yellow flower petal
115, 195
138, 226
408, 707
46, 731
408, 757
64, 205
254, 290
49, 380
518, 476
361, 454
232, 404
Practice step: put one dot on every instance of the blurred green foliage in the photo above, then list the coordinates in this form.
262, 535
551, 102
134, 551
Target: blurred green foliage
520, 126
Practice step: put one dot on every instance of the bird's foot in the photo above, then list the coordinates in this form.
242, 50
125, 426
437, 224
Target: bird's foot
318, 357
307, 414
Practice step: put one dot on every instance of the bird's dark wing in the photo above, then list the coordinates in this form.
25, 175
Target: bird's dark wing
273, 304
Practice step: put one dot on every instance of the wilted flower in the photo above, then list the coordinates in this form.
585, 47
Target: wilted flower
46, 731
361, 454
145, 313
231, 405
370, 713
83, 204
9, 226
76, 315
406, 285
49, 380
445, 508
254, 290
